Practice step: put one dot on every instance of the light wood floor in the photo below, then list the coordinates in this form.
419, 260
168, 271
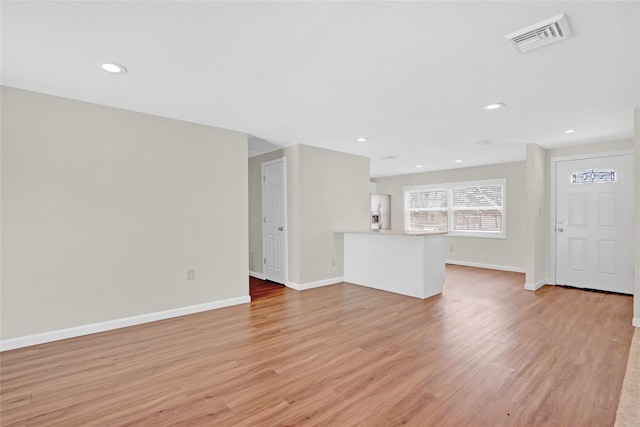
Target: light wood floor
485, 352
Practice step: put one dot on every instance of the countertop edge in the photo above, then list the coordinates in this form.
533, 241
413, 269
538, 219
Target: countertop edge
394, 232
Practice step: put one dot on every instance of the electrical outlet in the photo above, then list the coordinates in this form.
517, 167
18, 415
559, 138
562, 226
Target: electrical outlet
450, 248
333, 262
191, 274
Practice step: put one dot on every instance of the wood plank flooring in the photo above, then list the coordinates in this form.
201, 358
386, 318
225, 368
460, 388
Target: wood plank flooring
485, 352
264, 289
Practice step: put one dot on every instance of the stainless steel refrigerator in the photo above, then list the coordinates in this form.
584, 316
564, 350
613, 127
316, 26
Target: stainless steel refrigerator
380, 211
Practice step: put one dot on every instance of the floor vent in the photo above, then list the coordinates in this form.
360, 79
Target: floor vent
541, 34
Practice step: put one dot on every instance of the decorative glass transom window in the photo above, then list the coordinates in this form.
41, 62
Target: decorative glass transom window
471, 209
589, 176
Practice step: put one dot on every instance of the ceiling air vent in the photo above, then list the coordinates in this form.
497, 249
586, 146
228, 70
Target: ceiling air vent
541, 34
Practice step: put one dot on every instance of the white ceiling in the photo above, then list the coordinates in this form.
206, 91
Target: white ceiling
410, 76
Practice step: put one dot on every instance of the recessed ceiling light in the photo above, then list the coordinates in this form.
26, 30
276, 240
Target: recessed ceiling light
569, 131
361, 139
495, 106
458, 161
418, 166
114, 68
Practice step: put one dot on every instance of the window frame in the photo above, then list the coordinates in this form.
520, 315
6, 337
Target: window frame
449, 186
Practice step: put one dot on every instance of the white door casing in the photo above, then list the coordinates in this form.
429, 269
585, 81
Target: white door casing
274, 220
593, 223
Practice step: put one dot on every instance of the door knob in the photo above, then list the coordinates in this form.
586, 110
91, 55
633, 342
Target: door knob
280, 228
560, 230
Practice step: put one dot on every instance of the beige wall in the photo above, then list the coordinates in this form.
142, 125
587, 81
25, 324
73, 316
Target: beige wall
593, 148
636, 144
536, 218
103, 211
334, 196
327, 191
509, 252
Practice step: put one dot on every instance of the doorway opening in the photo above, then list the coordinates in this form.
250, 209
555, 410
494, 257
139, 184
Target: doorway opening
274, 220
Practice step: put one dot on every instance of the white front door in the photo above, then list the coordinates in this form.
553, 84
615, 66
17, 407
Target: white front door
594, 223
274, 208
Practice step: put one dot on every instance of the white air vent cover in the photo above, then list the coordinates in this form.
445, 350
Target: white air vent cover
541, 34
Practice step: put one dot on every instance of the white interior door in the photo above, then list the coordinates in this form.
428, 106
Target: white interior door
594, 223
274, 209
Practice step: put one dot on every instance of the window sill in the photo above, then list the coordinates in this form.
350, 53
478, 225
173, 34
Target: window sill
481, 235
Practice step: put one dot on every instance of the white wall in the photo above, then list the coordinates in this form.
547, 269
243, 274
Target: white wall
327, 191
103, 211
509, 253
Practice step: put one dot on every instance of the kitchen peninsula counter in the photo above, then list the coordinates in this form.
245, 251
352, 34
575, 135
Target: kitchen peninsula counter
405, 262
396, 232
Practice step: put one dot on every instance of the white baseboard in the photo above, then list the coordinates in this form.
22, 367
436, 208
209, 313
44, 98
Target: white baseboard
636, 322
535, 286
310, 285
256, 275
61, 334
489, 266
293, 285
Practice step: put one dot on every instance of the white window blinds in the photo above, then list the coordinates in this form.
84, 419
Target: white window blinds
477, 208
429, 209
465, 209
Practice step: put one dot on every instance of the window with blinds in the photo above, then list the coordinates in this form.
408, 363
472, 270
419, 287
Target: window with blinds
477, 208
429, 209
463, 209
